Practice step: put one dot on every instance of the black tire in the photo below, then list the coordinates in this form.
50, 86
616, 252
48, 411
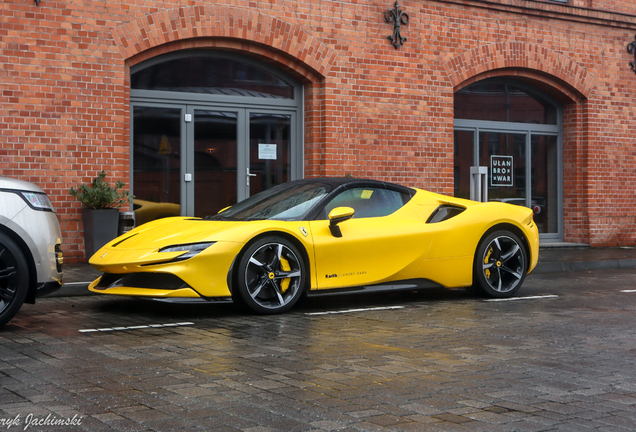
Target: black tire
271, 275
14, 279
500, 264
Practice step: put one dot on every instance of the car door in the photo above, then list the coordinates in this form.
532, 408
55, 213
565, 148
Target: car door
384, 241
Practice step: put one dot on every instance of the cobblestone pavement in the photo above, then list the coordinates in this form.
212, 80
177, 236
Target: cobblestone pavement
434, 360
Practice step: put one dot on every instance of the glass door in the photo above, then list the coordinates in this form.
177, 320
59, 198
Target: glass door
195, 160
157, 140
270, 153
464, 159
516, 131
545, 183
192, 114
214, 160
505, 156
522, 169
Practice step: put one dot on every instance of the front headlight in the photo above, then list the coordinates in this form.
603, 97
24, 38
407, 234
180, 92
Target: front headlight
189, 249
37, 201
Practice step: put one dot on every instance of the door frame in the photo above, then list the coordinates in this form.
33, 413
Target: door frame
242, 139
190, 156
182, 145
244, 105
296, 153
528, 129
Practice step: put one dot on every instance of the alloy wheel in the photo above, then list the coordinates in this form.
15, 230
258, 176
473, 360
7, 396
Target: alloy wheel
273, 276
503, 264
8, 278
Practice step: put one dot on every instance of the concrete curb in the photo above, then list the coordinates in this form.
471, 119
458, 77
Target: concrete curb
552, 267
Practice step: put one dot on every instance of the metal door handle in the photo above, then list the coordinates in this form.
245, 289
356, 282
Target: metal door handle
248, 176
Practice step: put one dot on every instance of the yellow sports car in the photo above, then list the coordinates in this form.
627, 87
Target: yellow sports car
323, 236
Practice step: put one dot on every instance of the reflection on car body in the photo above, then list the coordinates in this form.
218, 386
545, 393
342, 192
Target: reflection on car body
324, 236
146, 211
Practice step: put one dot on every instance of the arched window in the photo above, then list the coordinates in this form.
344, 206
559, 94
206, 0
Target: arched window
510, 132
214, 75
210, 128
502, 102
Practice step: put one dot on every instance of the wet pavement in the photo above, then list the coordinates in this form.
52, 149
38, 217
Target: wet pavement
560, 356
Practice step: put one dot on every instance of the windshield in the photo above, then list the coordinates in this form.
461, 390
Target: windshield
289, 201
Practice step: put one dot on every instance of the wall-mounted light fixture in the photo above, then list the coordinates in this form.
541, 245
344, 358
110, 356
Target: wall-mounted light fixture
398, 18
631, 48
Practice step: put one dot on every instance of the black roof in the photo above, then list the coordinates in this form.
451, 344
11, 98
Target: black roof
348, 182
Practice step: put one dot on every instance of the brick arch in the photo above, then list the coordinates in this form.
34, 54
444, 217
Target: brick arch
169, 27
507, 57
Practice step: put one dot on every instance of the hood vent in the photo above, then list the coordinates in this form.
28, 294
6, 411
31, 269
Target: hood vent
123, 240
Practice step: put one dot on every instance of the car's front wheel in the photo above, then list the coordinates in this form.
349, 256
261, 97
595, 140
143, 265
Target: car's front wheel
14, 279
271, 275
500, 264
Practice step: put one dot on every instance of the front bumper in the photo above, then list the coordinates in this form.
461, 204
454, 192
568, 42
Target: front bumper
151, 285
143, 284
140, 273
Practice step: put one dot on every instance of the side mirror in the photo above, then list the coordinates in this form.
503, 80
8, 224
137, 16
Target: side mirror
338, 215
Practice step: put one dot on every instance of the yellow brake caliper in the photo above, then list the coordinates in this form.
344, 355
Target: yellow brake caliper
487, 271
284, 266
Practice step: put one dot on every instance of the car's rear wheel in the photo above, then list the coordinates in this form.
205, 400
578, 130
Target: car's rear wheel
500, 264
14, 279
271, 275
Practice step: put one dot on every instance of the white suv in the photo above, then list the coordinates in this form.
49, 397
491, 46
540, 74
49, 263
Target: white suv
30, 246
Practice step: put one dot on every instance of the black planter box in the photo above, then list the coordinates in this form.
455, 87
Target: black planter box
100, 227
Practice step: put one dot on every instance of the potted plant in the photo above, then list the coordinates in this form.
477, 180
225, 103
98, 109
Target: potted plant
100, 213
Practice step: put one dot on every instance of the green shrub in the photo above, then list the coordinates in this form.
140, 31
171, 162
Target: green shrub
100, 195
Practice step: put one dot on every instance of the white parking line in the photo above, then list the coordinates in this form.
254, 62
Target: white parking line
628, 291
522, 298
355, 310
106, 329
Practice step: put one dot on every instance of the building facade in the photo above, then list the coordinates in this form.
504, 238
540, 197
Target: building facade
197, 104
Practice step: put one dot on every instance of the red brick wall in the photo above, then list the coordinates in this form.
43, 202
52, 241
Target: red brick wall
370, 110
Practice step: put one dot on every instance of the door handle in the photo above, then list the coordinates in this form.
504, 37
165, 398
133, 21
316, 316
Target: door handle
249, 174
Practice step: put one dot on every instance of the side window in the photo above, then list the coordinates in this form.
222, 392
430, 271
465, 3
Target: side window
368, 202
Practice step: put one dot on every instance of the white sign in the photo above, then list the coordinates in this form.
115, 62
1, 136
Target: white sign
267, 151
501, 173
